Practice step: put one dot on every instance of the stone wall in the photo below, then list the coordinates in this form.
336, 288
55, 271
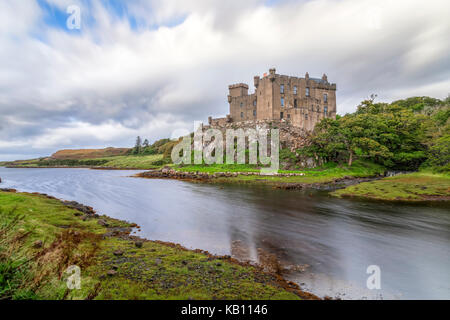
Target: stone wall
291, 137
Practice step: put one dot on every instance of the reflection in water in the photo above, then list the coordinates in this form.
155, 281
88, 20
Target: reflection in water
322, 243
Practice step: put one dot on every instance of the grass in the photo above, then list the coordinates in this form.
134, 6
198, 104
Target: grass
324, 174
154, 271
410, 187
137, 162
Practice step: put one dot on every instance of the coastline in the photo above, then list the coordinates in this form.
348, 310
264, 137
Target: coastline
286, 181
412, 188
75, 167
105, 267
351, 186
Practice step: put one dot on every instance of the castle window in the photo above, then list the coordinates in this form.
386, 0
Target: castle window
306, 116
254, 103
289, 116
242, 114
281, 115
318, 109
282, 102
242, 104
307, 92
295, 103
295, 89
325, 111
254, 113
325, 98
282, 88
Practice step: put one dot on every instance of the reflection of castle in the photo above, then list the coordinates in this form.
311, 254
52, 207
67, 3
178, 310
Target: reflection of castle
301, 101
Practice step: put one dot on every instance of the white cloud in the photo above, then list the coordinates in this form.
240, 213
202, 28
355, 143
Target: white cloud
113, 82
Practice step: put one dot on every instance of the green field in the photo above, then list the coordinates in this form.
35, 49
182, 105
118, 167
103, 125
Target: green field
410, 187
138, 162
112, 266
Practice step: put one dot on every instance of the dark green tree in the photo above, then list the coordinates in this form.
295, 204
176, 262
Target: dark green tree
138, 146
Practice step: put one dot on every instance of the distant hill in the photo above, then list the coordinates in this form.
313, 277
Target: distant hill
89, 153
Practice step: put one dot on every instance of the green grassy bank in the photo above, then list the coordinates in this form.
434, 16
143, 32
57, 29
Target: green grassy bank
420, 186
327, 173
40, 237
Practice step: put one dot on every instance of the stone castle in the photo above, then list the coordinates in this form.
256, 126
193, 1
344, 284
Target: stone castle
300, 102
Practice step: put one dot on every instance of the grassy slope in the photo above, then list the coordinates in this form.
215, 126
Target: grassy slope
155, 271
412, 187
89, 153
324, 174
138, 162
118, 162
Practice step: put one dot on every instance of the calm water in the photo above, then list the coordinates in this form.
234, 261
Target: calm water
333, 240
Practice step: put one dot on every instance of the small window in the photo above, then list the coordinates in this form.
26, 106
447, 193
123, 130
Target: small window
242, 114
282, 102
254, 113
318, 109
325, 98
289, 116
295, 103
295, 89
306, 116
307, 92
325, 111
282, 88
254, 103
281, 115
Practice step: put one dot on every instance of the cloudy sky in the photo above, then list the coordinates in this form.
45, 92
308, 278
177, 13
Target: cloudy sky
147, 67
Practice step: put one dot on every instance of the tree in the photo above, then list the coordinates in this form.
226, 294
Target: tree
389, 134
138, 145
146, 144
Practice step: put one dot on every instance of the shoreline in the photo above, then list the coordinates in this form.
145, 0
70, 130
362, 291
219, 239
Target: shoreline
342, 187
121, 231
76, 167
417, 187
234, 178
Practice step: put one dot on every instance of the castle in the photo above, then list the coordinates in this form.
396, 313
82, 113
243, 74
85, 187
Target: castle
301, 102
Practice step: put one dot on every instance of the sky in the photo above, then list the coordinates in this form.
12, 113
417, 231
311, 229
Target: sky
152, 68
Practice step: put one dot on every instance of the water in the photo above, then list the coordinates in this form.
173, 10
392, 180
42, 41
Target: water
333, 240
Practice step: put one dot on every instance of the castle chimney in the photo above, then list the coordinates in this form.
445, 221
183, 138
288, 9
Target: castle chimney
256, 81
325, 78
272, 74
307, 76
